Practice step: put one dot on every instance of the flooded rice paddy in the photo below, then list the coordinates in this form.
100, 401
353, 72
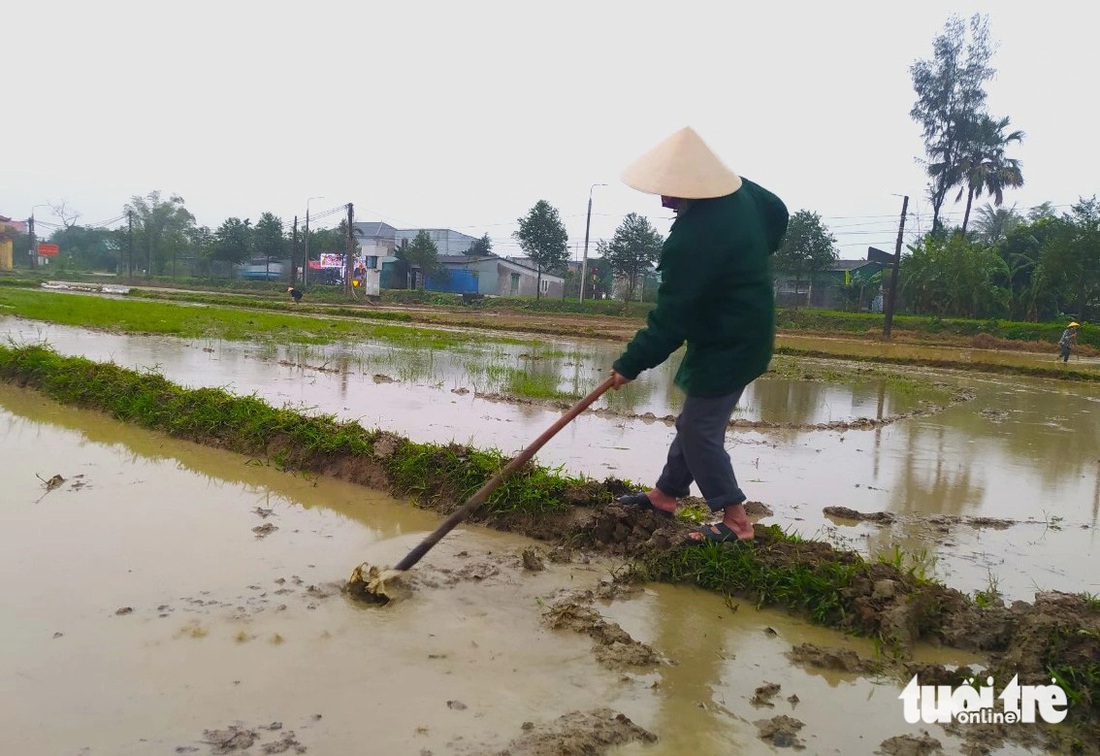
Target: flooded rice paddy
1002, 487
167, 597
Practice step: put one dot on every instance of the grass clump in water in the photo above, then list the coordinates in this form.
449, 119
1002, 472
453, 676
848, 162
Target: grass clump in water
536, 385
814, 585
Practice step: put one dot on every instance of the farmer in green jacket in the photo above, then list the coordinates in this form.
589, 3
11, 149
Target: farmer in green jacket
716, 296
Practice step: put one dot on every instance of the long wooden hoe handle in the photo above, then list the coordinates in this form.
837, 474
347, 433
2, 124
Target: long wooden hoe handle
521, 459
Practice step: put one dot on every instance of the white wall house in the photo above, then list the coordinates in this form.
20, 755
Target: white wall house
501, 277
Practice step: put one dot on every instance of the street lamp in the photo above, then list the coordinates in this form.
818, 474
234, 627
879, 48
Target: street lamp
587, 225
30, 232
305, 266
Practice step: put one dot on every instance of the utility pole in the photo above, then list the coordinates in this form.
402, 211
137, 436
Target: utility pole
130, 235
587, 225
30, 233
349, 250
891, 304
294, 254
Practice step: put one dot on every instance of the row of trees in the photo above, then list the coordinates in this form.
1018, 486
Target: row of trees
1038, 266
630, 255
159, 235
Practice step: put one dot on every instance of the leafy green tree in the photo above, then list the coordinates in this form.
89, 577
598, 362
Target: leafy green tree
861, 288
543, 238
984, 166
955, 277
201, 241
632, 251
1041, 212
268, 237
1020, 248
233, 241
1070, 260
950, 88
160, 229
327, 240
807, 249
87, 248
200, 249
480, 247
422, 252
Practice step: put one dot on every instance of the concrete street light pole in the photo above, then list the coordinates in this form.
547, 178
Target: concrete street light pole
305, 263
587, 225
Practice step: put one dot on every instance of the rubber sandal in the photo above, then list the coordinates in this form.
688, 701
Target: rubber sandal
724, 535
642, 503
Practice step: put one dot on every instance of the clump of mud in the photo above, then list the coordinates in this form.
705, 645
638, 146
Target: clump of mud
614, 648
846, 513
839, 659
764, 694
781, 732
578, 733
237, 737
910, 745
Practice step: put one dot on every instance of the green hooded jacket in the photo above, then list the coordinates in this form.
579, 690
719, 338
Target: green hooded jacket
716, 294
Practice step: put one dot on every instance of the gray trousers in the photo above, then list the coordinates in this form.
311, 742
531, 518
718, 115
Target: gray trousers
698, 453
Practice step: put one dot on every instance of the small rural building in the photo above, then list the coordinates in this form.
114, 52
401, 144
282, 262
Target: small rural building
8, 230
824, 289
488, 275
492, 275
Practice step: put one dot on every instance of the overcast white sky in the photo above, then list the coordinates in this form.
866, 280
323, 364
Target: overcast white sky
464, 114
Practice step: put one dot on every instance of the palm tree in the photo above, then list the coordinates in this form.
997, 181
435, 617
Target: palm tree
992, 225
984, 165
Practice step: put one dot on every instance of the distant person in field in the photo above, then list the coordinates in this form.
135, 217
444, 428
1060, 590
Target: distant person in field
295, 292
716, 296
1068, 340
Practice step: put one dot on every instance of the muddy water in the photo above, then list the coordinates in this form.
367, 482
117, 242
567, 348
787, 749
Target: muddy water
1022, 450
164, 593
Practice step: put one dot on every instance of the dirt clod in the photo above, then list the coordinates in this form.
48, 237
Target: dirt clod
840, 659
614, 646
233, 738
781, 732
578, 733
764, 695
847, 513
532, 562
910, 745
262, 531
286, 744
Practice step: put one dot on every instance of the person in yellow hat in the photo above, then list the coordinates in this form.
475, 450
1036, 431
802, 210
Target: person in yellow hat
716, 296
1068, 340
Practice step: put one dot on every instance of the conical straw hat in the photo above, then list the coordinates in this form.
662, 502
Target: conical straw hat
682, 166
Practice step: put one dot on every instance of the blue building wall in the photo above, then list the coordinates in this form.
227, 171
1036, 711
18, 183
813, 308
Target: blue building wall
453, 281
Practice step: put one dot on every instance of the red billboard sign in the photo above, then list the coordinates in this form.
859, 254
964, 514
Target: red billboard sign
47, 250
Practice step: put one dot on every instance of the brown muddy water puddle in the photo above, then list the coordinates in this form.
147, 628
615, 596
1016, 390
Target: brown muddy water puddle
166, 597
999, 491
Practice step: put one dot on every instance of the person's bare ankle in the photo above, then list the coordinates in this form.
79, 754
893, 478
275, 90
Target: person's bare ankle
737, 520
661, 500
